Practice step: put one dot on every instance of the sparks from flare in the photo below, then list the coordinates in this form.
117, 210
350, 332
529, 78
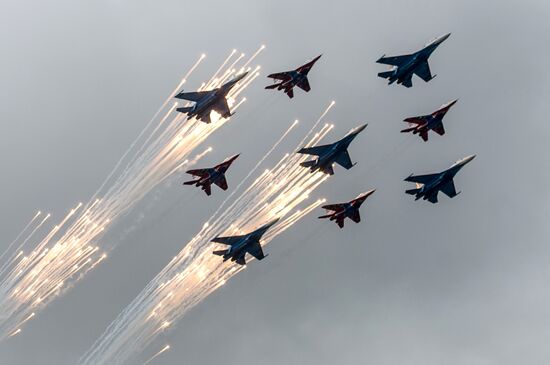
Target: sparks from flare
71, 248
194, 273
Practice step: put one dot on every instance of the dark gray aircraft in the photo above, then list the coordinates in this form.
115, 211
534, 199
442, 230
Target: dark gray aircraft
239, 246
428, 186
329, 154
212, 175
349, 209
407, 65
208, 101
425, 123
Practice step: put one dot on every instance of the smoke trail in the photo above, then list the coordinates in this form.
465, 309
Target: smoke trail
70, 249
194, 273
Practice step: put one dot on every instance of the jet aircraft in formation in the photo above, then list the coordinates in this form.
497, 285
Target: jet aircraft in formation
329, 154
287, 80
341, 211
212, 175
425, 123
427, 186
239, 246
208, 101
404, 67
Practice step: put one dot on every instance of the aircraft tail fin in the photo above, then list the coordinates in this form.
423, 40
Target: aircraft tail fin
185, 109
385, 75
412, 191
325, 216
272, 86
190, 182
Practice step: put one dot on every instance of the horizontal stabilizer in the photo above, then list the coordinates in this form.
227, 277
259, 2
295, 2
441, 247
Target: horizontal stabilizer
220, 252
412, 191
192, 182
185, 109
325, 216
385, 75
272, 86
308, 163
408, 130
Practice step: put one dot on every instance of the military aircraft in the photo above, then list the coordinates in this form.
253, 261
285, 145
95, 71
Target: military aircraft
289, 79
404, 67
239, 246
428, 186
349, 210
213, 175
208, 101
327, 155
425, 123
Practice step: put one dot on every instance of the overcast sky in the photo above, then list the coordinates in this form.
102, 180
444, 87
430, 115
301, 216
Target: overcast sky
461, 282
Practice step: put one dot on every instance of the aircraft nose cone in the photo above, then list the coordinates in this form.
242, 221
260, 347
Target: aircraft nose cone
240, 77
272, 223
467, 159
451, 103
359, 129
443, 38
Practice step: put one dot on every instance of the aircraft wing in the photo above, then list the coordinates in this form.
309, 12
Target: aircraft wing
439, 129
205, 117
255, 249
230, 241
421, 179
355, 216
334, 207
344, 160
283, 76
449, 189
221, 182
423, 71
240, 259
424, 135
327, 169
395, 60
207, 187
199, 172
192, 96
407, 82
416, 120
315, 150
305, 68
222, 108
304, 85
432, 198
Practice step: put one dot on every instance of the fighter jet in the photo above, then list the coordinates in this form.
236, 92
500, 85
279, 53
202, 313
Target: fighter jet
213, 175
428, 186
239, 246
289, 79
208, 101
349, 210
425, 123
407, 65
336, 152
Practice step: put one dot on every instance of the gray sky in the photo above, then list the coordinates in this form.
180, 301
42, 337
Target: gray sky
462, 282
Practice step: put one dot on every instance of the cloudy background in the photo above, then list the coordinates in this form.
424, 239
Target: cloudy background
462, 282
